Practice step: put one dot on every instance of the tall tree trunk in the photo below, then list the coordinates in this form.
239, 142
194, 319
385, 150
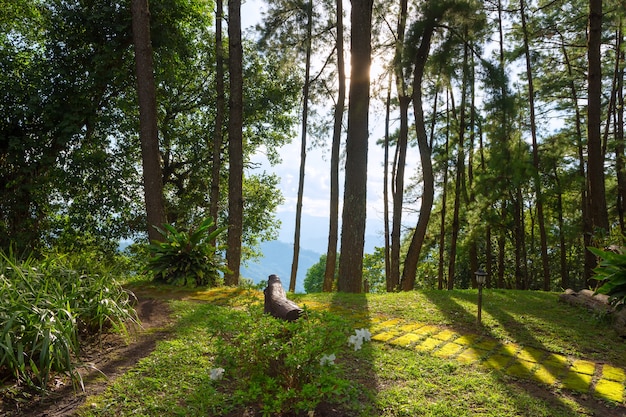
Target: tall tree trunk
501, 232
354, 201
303, 144
444, 199
502, 246
537, 174
148, 130
393, 281
595, 161
460, 171
333, 233
235, 143
428, 195
218, 136
389, 283
470, 197
561, 222
590, 260
620, 165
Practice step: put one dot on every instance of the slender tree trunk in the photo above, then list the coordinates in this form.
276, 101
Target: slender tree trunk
428, 195
389, 284
502, 246
444, 199
537, 174
333, 234
501, 232
235, 143
218, 137
595, 161
522, 236
398, 194
354, 201
589, 257
620, 165
561, 222
148, 130
404, 100
488, 257
469, 186
303, 141
460, 171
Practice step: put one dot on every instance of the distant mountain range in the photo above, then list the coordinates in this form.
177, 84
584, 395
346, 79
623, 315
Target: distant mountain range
276, 260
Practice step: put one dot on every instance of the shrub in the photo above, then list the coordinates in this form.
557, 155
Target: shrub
186, 256
44, 307
611, 272
278, 367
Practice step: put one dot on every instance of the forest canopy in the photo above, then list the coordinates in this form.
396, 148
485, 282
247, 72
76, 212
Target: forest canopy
504, 130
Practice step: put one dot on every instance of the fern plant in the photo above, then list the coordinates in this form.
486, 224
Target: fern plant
186, 257
611, 272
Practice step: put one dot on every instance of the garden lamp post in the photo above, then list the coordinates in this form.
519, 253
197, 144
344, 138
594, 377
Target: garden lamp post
481, 277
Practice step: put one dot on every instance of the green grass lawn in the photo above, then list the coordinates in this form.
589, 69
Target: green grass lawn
225, 328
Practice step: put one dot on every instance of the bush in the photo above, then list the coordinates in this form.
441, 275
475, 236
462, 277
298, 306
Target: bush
44, 307
277, 367
611, 272
186, 256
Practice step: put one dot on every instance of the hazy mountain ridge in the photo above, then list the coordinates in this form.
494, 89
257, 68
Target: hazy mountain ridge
277, 258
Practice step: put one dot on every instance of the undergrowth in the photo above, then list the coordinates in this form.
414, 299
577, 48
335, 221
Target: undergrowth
46, 305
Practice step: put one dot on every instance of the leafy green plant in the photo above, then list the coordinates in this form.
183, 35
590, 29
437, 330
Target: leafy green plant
45, 307
276, 366
186, 256
611, 271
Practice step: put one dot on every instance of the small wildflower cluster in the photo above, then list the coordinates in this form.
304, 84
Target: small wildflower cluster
328, 359
357, 339
360, 336
216, 374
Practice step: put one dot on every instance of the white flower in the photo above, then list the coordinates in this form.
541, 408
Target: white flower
328, 359
364, 334
217, 374
359, 337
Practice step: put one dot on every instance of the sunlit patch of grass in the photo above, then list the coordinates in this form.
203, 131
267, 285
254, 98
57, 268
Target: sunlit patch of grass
410, 385
389, 379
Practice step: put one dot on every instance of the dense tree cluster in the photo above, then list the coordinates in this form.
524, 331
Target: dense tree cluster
70, 160
516, 111
505, 129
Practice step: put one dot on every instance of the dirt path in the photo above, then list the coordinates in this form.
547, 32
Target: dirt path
104, 360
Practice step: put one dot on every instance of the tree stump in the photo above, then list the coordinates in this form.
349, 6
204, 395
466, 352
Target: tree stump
276, 302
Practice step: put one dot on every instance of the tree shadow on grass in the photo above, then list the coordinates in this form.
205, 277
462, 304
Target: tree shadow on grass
357, 363
524, 357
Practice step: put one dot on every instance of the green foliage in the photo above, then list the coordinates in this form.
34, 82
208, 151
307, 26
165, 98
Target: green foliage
187, 256
374, 270
45, 307
611, 272
314, 278
277, 366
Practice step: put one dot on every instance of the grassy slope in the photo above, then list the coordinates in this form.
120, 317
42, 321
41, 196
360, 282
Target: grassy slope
392, 381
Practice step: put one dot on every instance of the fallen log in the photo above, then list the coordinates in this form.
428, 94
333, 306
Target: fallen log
276, 302
599, 304
595, 302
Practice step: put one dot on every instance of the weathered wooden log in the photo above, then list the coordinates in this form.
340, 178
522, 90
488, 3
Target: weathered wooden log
276, 302
597, 303
586, 298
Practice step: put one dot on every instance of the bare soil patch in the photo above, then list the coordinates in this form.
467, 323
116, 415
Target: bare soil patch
104, 358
